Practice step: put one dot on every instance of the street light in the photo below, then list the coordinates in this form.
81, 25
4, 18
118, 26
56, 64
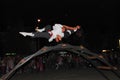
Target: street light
38, 20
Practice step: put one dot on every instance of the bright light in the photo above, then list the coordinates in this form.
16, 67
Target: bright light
38, 20
119, 43
104, 50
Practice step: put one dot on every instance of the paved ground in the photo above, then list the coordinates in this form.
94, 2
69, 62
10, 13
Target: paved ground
81, 74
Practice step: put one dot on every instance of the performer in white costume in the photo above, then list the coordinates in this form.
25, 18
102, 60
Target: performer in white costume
57, 32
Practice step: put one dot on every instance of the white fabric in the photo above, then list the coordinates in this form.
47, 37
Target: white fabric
75, 30
26, 34
57, 30
56, 26
69, 31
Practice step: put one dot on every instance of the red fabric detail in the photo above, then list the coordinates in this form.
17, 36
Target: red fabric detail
50, 33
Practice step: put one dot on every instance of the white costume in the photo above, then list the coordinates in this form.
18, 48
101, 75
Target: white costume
50, 35
57, 30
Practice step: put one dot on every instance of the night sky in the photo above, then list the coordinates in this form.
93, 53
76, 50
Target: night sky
98, 18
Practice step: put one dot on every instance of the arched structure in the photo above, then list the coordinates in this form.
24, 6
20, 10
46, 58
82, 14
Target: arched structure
82, 51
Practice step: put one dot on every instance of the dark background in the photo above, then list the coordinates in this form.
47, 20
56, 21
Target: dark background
98, 18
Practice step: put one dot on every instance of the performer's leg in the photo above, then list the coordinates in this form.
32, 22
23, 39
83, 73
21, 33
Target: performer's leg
40, 30
41, 35
46, 28
26, 34
36, 34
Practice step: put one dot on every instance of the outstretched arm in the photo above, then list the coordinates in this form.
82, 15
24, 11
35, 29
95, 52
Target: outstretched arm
71, 28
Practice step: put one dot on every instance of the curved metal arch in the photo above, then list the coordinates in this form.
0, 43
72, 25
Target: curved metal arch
47, 49
86, 58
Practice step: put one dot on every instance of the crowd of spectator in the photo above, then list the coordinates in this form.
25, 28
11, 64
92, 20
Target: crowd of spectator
50, 61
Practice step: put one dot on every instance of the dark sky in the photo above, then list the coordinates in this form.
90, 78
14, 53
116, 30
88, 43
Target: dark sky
99, 19
97, 13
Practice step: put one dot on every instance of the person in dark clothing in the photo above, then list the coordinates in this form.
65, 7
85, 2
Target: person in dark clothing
57, 32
